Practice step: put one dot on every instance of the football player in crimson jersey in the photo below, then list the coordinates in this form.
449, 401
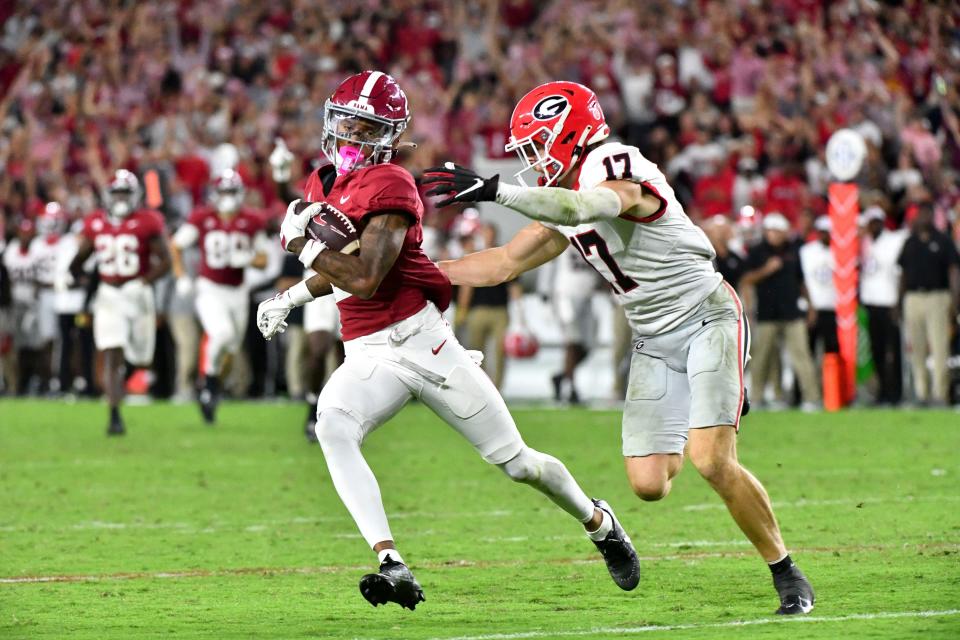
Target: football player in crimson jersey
686, 375
231, 238
131, 254
397, 344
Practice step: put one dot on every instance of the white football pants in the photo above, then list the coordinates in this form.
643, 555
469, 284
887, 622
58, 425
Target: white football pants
420, 357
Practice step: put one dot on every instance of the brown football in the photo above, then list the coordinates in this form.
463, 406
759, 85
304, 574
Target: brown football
330, 226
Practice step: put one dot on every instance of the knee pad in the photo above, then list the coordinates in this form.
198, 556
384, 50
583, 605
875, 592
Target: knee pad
530, 466
337, 428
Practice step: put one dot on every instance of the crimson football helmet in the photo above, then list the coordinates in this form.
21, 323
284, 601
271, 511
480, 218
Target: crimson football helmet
520, 344
363, 121
550, 128
123, 194
228, 192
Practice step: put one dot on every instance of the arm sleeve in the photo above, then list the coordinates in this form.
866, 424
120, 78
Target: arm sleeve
186, 235
560, 206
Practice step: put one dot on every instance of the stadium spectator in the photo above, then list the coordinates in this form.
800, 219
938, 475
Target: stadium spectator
880, 294
484, 311
773, 267
931, 297
816, 262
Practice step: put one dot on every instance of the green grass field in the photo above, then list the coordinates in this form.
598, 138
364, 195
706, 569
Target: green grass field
179, 530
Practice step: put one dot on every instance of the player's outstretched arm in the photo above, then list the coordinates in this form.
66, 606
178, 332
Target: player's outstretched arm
359, 275
533, 245
548, 204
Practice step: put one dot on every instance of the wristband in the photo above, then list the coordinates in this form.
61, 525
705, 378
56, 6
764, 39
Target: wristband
299, 294
310, 252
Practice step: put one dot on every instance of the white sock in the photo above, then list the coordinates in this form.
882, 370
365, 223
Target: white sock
340, 435
382, 556
606, 526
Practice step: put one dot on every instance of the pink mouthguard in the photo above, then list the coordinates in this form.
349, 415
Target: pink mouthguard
349, 158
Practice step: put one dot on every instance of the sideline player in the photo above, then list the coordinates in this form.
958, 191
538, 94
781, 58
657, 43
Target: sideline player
691, 336
231, 238
397, 344
131, 254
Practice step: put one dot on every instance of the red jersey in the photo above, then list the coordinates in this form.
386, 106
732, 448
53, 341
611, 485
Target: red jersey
414, 278
226, 243
123, 246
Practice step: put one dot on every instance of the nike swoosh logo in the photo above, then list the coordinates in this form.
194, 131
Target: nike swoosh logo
437, 350
706, 322
344, 199
476, 185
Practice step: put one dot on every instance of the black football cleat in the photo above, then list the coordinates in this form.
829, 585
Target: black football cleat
208, 405
310, 430
310, 426
618, 552
745, 408
116, 427
796, 594
393, 583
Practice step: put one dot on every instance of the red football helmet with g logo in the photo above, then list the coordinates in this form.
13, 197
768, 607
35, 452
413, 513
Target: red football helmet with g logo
363, 120
550, 128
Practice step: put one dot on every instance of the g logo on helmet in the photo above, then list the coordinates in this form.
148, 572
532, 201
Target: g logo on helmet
550, 107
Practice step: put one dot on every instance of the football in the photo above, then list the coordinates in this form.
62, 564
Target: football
330, 226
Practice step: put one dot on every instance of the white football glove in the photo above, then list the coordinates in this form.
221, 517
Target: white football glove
294, 224
272, 314
280, 161
184, 286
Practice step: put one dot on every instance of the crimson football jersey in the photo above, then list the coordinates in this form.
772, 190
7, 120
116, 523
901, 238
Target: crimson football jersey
226, 244
414, 278
123, 246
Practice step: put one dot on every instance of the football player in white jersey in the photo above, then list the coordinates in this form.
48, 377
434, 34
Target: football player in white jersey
691, 336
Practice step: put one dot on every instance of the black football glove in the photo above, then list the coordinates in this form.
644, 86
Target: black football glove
460, 184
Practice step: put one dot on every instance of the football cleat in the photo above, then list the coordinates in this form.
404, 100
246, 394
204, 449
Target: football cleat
745, 408
208, 405
618, 552
796, 594
393, 583
116, 427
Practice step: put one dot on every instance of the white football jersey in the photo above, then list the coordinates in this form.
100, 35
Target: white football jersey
661, 266
22, 267
816, 261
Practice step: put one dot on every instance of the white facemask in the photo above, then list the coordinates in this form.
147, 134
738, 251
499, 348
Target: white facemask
228, 204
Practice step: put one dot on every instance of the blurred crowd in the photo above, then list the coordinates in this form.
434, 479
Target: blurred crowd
734, 100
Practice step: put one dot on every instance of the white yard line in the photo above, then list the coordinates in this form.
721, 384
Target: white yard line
443, 564
624, 631
215, 525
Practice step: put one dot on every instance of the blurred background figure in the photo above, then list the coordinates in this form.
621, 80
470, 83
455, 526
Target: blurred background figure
20, 262
728, 262
931, 297
569, 283
880, 296
773, 268
484, 312
816, 261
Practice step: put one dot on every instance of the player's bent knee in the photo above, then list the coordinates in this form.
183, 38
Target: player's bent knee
650, 489
716, 468
530, 466
337, 428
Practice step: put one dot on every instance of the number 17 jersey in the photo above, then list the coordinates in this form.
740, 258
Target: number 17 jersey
659, 266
